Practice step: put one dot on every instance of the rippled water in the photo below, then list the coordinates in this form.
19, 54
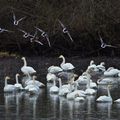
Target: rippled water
47, 106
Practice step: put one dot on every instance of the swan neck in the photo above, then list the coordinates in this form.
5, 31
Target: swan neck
17, 79
108, 90
60, 83
54, 83
5, 82
25, 63
33, 81
63, 62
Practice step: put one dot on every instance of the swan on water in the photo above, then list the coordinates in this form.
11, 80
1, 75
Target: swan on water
65, 66
27, 70
105, 98
8, 87
17, 85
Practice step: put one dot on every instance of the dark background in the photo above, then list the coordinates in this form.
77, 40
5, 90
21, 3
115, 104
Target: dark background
84, 19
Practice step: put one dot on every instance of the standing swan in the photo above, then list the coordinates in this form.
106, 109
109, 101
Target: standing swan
8, 87
27, 70
105, 98
17, 85
66, 66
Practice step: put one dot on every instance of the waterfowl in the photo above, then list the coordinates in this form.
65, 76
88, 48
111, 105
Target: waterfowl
54, 88
111, 72
62, 89
35, 82
101, 67
51, 77
8, 87
27, 70
17, 85
54, 69
32, 88
65, 66
105, 98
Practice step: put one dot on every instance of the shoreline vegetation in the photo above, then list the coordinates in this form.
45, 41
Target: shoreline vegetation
84, 20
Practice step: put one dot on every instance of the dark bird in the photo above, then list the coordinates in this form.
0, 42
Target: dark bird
65, 30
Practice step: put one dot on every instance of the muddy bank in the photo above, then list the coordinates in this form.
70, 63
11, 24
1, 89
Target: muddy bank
11, 65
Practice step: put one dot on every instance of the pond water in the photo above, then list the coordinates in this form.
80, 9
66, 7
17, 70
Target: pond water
46, 106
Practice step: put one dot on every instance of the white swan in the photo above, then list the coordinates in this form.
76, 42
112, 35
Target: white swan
35, 82
17, 85
63, 90
107, 80
8, 87
32, 88
111, 72
54, 69
101, 67
51, 77
27, 70
105, 98
54, 88
65, 66
92, 65
117, 101
89, 90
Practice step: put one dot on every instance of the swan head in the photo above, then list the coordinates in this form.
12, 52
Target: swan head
34, 77
7, 78
17, 75
92, 62
102, 63
23, 58
61, 56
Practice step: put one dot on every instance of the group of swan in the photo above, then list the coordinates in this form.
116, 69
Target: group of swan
71, 91
30, 85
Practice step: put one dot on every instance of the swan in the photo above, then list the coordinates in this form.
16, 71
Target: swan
89, 90
92, 65
101, 67
27, 70
37, 83
51, 77
17, 85
105, 98
111, 72
54, 88
32, 88
8, 87
62, 89
79, 98
117, 101
106, 81
54, 69
65, 66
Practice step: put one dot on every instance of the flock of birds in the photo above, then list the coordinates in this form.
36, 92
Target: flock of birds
64, 82
35, 37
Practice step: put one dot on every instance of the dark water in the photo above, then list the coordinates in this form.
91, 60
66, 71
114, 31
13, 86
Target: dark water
45, 106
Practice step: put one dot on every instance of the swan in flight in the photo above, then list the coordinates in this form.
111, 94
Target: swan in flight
65, 66
35, 38
44, 35
8, 87
27, 70
104, 45
17, 85
65, 30
36, 82
4, 30
105, 98
25, 34
15, 21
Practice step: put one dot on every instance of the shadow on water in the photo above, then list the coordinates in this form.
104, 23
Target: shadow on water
46, 106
